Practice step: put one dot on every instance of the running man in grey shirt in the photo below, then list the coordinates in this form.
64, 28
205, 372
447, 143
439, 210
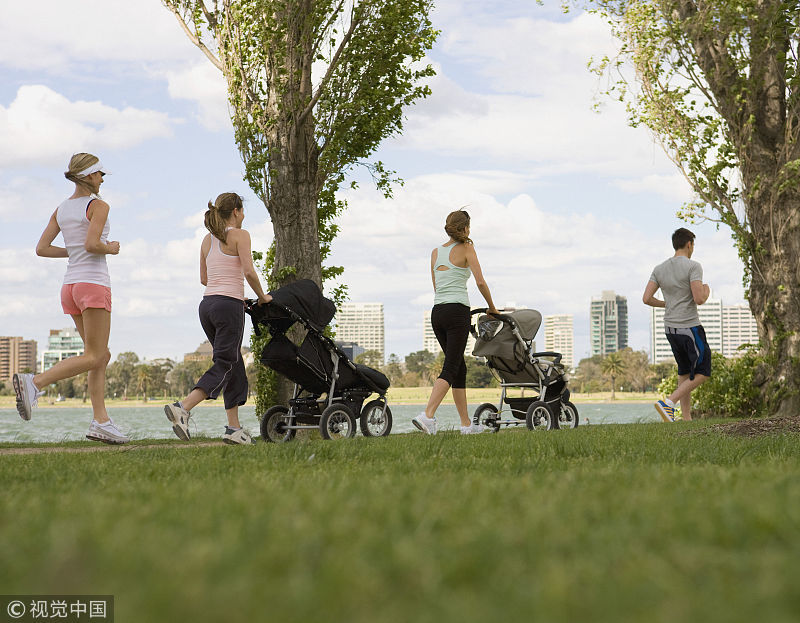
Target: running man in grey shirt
681, 282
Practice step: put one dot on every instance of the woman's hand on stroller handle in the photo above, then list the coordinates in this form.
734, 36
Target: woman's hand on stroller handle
485, 310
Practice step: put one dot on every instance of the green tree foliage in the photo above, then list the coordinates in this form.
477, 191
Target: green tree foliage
729, 392
182, 377
613, 366
120, 375
637, 375
393, 369
479, 374
371, 358
718, 84
418, 362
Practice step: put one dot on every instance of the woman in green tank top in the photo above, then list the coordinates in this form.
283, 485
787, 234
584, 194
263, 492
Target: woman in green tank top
451, 265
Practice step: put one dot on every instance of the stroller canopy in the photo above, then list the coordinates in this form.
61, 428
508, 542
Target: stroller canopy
305, 299
496, 338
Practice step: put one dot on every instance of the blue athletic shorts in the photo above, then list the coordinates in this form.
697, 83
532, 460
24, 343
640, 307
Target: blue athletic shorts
691, 350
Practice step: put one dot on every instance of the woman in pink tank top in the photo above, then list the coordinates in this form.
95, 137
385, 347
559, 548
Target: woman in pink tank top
82, 219
225, 262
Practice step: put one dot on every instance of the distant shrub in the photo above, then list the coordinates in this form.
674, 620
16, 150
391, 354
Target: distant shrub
730, 391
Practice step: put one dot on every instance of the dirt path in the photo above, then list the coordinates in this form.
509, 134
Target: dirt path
105, 448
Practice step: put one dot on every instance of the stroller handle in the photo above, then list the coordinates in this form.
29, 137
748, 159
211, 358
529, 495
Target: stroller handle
485, 310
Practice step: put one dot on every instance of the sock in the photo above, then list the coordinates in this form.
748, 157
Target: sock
669, 402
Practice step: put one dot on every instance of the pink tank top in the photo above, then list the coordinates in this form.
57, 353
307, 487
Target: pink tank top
225, 276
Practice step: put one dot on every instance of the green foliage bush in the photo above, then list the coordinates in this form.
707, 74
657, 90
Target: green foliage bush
729, 393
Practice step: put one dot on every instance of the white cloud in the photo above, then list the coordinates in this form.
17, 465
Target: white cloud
204, 84
46, 128
63, 38
674, 186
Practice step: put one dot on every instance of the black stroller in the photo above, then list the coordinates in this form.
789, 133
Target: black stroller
506, 341
329, 390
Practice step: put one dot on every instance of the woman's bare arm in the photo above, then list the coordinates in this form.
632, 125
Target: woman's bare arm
243, 246
98, 215
205, 247
475, 267
45, 248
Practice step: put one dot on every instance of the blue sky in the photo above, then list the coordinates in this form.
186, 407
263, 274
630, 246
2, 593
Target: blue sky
565, 202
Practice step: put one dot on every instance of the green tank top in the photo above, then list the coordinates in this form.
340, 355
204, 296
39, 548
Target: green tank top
451, 284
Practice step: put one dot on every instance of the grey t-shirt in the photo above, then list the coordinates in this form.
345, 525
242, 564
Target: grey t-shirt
674, 277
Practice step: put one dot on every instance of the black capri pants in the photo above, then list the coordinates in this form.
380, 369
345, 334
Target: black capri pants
450, 323
222, 318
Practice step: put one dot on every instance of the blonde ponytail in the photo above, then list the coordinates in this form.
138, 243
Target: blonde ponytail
81, 162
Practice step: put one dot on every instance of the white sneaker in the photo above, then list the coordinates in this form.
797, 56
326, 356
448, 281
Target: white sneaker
27, 394
106, 432
237, 436
425, 424
180, 420
473, 429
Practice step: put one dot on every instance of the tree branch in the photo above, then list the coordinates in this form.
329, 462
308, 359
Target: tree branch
331, 68
194, 38
327, 26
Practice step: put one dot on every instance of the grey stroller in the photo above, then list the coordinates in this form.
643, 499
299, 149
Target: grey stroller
506, 342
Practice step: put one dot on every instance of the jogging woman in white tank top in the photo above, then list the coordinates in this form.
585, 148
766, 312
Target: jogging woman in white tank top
225, 262
451, 265
86, 294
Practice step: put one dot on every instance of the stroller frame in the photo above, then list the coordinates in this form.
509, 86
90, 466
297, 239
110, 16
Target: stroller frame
331, 412
537, 412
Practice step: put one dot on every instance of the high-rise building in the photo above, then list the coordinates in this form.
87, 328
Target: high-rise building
429, 341
738, 327
727, 327
431, 344
609, 323
61, 344
362, 323
560, 337
16, 355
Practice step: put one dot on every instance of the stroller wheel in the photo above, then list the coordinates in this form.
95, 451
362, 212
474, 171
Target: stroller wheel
337, 422
539, 416
273, 425
375, 422
486, 415
567, 416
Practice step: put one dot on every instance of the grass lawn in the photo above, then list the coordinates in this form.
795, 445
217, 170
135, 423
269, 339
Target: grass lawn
611, 523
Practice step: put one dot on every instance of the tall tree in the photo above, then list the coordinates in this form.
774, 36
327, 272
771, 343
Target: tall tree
718, 84
314, 86
613, 366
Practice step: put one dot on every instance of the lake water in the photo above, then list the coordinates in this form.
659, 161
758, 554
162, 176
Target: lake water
149, 422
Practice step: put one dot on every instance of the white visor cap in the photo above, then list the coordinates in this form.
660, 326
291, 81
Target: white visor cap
97, 166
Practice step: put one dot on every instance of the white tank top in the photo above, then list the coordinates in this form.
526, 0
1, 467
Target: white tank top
83, 267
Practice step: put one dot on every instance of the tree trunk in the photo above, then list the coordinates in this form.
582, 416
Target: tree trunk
294, 156
775, 303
